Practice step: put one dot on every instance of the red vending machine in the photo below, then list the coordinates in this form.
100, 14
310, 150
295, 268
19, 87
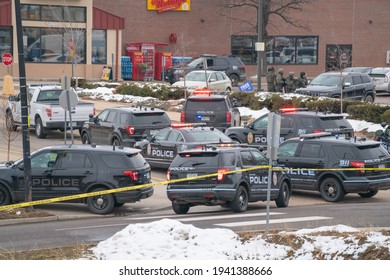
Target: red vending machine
137, 58
163, 61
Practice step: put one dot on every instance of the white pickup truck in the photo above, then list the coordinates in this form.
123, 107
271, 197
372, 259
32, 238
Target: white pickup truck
45, 112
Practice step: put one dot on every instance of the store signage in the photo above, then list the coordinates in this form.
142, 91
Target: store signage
168, 5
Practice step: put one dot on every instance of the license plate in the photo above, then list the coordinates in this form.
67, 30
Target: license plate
381, 166
73, 124
147, 175
152, 132
205, 118
192, 175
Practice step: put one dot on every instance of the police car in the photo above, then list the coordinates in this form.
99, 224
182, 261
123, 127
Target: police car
64, 170
160, 149
328, 164
234, 190
294, 122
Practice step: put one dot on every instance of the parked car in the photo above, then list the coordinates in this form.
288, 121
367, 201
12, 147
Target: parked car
360, 69
234, 190
381, 78
330, 165
123, 125
233, 67
214, 80
64, 170
160, 149
45, 111
294, 122
216, 110
352, 85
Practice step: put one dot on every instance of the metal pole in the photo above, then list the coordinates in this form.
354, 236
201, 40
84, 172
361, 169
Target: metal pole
259, 39
70, 116
24, 106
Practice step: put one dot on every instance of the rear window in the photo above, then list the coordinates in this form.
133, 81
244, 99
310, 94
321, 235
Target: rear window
209, 135
151, 118
201, 158
379, 71
206, 104
375, 151
114, 161
335, 122
137, 160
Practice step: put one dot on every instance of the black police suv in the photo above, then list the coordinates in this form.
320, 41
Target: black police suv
294, 122
64, 170
234, 190
160, 149
216, 110
231, 65
123, 125
350, 85
330, 165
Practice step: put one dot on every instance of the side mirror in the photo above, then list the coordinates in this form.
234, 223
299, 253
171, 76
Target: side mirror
383, 124
21, 166
212, 80
347, 84
379, 132
12, 98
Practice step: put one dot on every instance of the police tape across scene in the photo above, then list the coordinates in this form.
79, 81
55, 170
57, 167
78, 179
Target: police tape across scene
303, 171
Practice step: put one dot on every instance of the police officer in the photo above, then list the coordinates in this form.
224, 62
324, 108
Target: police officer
291, 83
271, 79
280, 81
302, 80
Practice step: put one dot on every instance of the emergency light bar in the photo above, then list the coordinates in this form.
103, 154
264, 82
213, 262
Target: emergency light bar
184, 125
202, 91
292, 109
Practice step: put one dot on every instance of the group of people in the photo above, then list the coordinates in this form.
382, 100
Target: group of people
279, 83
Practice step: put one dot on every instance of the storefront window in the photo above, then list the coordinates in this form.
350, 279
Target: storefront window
99, 46
279, 50
53, 13
54, 45
5, 40
74, 14
30, 12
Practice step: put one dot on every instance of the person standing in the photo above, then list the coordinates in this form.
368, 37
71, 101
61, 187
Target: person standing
291, 83
280, 81
271, 79
302, 80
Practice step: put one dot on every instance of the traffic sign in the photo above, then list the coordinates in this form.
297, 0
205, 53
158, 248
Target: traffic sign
68, 99
7, 58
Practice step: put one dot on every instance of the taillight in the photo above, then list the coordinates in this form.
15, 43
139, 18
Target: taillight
130, 129
48, 112
221, 174
358, 164
243, 67
168, 175
228, 117
318, 130
182, 117
94, 111
132, 174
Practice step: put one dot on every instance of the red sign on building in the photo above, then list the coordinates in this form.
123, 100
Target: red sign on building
7, 59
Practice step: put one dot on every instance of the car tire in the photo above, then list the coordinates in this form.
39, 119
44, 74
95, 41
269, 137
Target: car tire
240, 202
5, 197
180, 209
369, 99
234, 79
368, 194
284, 195
101, 204
116, 142
9, 122
85, 138
331, 190
39, 129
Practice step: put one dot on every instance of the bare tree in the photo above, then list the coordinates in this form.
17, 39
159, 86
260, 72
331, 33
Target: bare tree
7, 127
280, 9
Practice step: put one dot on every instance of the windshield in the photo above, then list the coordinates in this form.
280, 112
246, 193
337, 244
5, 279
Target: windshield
326, 80
197, 76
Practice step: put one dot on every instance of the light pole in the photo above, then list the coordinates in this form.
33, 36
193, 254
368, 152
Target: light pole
260, 43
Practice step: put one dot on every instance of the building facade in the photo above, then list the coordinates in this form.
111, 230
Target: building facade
337, 33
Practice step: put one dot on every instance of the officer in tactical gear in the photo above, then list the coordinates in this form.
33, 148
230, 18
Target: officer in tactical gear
271, 79
302, 80
280, 81
291, 83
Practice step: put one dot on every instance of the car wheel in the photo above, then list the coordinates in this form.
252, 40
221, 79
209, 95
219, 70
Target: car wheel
101, 204
228, 89
39, 130
369, 99
368, 194
240, 202
284, 195
9, 122
5, 197
85, 138
180, 208
331, 190
234, 78
116, 142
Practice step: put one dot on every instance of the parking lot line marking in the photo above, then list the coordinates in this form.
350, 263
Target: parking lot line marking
276, 221
202, 218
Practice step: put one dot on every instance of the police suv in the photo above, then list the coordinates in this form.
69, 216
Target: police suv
246, 182
294, 122
160, 149
335, 165
64, 170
